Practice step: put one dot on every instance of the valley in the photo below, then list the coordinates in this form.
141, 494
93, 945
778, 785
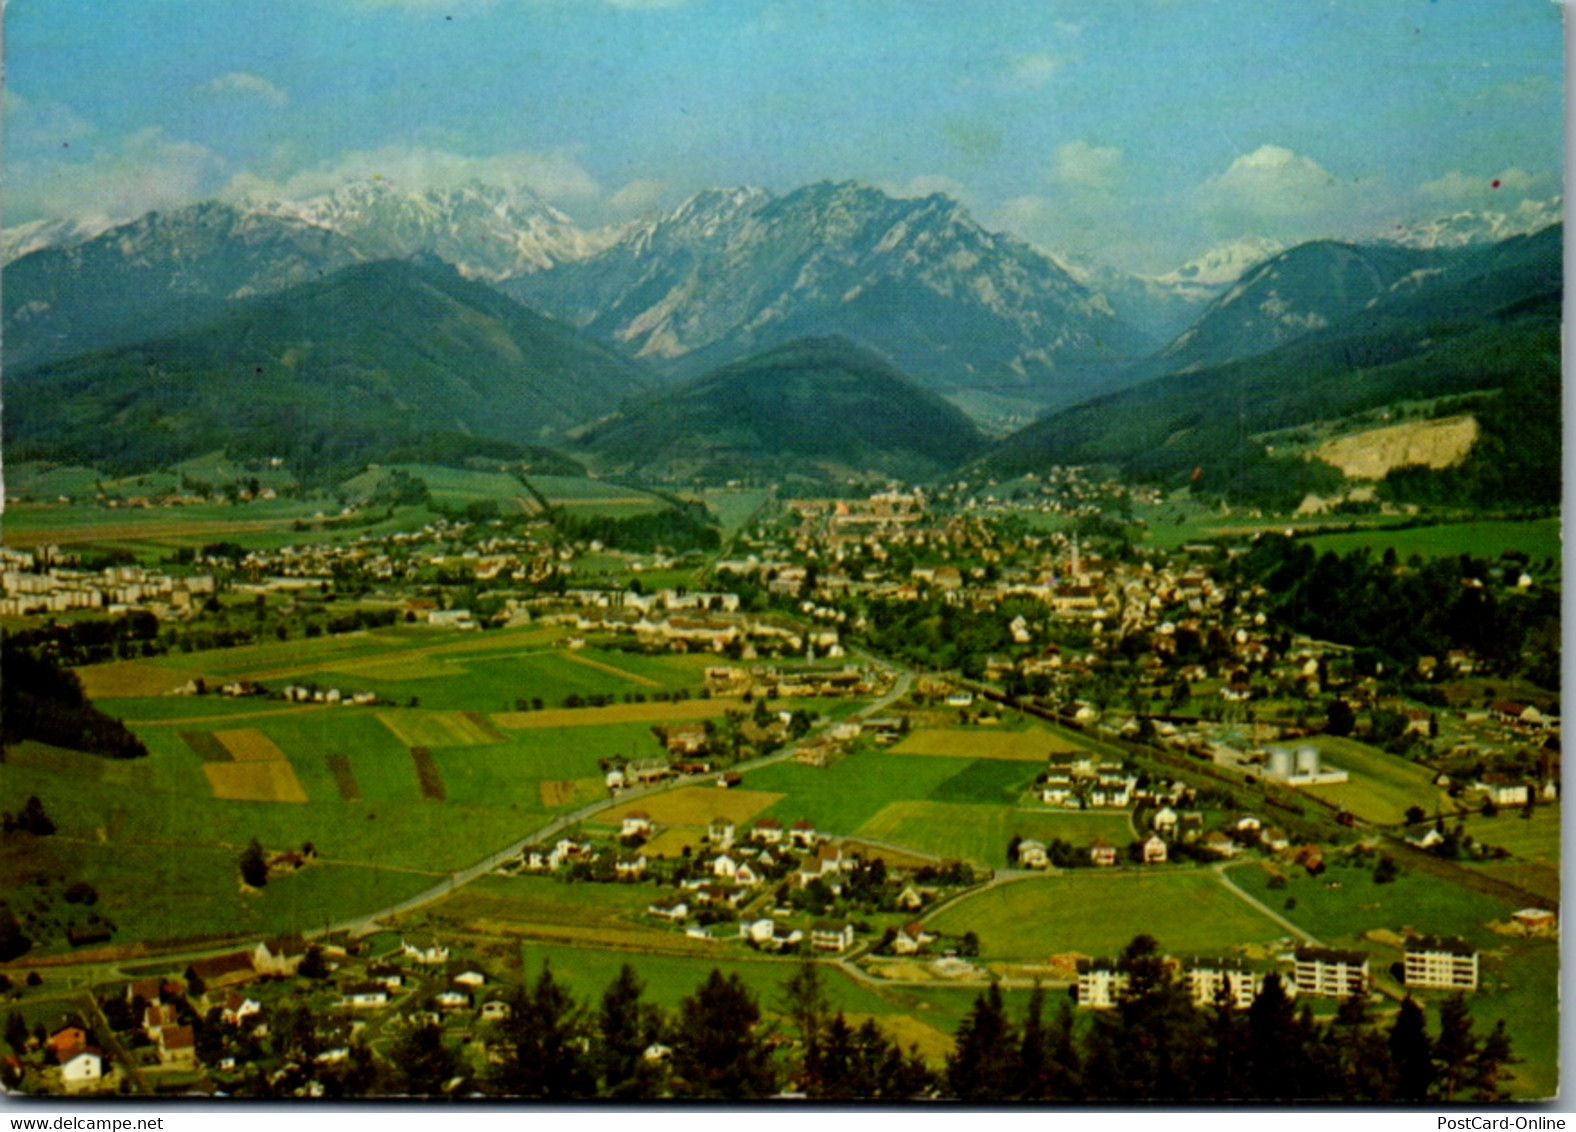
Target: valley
428, 608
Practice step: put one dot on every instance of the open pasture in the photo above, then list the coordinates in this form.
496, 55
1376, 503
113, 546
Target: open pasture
840, 798
570, 793
132, 678
1488, 538
1031, 745
986, 781
1098, 913
597, 497
698, 805
1531, 839
255, 781
980, 833
417, 727
248, 745
427, 774
344, 777
1342, 903
1381, 787
206, 746
614, 713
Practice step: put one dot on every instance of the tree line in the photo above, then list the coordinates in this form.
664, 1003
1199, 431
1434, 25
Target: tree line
1155, 1045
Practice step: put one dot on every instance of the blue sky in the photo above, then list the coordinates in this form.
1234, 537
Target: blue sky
1138, 131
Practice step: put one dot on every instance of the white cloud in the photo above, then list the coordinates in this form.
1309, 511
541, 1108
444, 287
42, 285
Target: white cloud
1032, 70
245, 83
143, 171
554, 176
638, 197
1456, 187
1272, 181
1088, 166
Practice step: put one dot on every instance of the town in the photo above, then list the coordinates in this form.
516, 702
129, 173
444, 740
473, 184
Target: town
887, 732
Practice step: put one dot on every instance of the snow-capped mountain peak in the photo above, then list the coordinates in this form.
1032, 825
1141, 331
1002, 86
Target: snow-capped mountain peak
1461, 229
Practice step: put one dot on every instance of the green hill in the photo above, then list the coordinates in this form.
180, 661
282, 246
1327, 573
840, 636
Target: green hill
388, 359
813, 405
1495, 333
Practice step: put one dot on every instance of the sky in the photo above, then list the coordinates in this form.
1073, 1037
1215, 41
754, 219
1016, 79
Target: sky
1138, 132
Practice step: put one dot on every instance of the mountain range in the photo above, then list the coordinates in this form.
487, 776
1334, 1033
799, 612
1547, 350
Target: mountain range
1483, 329
387, 315
375, 358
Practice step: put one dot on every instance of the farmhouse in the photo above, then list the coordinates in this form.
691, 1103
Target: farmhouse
1032, 855
1450, 963
364, 995
280, 956
83, 1071
178, 1046
66, 1042
768, 831
832, 935
910, 938
1154, 850
1102, 852
672, 908
1330, 972
424, 950
636, 823
207, 975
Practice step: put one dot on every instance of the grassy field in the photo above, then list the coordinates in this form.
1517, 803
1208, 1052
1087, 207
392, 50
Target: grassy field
1032, 744
453, 487
986, 781
221, 771
980, 833
1531, 839
1339, 905
1520, 977
840, 798
1537, 538
1382, 787
1098, 913
596, 497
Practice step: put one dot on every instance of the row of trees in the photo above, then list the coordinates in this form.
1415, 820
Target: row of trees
1156, 1045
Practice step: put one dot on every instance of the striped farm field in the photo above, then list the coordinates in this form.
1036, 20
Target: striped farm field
248, 745
966, 832
206, 747
417, 728
714, 708
270, 781
562, 793
603, 666
697, 805
1032, 745
427, 774
344, 777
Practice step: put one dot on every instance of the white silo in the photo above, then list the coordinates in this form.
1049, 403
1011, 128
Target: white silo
1280, 762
